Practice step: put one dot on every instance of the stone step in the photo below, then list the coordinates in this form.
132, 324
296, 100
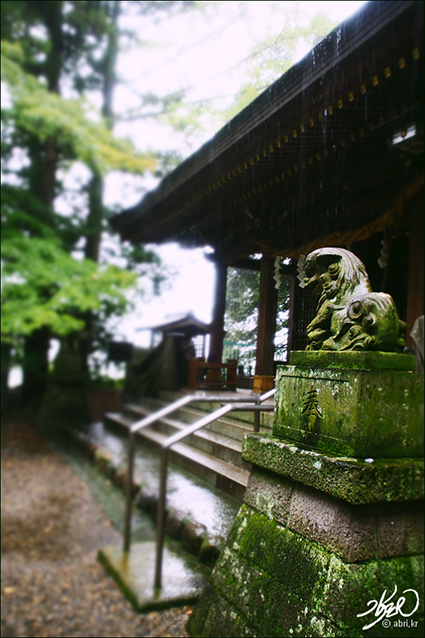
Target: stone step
221, 474
225, 426
247, 418
213, 443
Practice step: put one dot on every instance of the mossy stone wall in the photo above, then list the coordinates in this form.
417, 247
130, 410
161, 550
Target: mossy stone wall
277, 577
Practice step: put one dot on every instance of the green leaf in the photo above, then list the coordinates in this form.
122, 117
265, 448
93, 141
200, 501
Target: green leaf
43, 286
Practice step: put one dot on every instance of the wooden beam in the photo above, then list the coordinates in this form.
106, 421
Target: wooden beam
247, 264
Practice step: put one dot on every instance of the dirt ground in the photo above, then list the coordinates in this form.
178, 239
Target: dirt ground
52, 527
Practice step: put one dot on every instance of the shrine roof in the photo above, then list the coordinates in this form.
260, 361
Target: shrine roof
313, 160
184, 323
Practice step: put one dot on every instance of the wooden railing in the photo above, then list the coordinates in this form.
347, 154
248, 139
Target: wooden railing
205, 374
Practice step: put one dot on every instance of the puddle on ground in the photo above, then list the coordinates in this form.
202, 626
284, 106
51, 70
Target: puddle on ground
206, 504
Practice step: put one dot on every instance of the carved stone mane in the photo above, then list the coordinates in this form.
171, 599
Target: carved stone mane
337, 273
349, 315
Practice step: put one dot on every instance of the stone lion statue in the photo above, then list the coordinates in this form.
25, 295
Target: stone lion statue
349, 315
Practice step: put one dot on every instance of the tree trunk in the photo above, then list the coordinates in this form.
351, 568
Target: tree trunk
96, 213
95, 218
44, 161
36, 364
95, 189
5, 368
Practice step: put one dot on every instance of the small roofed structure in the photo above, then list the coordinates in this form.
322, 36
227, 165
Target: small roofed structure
187, 329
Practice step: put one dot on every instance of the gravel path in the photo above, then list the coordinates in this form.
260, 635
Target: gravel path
52, 527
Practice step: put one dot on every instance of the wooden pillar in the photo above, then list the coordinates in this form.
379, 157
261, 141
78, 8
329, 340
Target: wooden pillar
217, 326
264, 370
415, 288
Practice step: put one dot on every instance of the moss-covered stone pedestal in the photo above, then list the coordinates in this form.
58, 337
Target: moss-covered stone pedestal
323, 537
362, 405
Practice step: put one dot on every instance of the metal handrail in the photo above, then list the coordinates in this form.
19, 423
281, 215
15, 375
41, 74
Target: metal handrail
175, 438
157, 416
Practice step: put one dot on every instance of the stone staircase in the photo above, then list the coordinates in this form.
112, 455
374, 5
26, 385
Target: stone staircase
213, 453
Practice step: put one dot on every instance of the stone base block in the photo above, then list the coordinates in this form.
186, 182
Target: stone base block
357, 482
354, 533
272, 581
323, 546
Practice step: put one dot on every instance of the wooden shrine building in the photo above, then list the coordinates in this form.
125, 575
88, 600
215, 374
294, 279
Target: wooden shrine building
331, 154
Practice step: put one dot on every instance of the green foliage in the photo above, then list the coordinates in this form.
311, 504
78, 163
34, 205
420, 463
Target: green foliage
44, 286
25, 213
46, 47
101, 382
79, 131
242, 305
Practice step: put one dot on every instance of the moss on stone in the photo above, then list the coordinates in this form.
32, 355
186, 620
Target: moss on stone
277, 583
238, 527
352, 480
215, 616
242, 584
284, 556
350, 586
207, 599
353, 360
358, 413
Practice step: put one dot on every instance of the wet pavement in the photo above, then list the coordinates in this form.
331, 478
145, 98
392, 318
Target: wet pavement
183, 575
207, 505
57, 515
52, 528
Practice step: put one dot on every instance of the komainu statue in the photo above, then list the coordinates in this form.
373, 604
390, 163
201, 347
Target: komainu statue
349, 315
